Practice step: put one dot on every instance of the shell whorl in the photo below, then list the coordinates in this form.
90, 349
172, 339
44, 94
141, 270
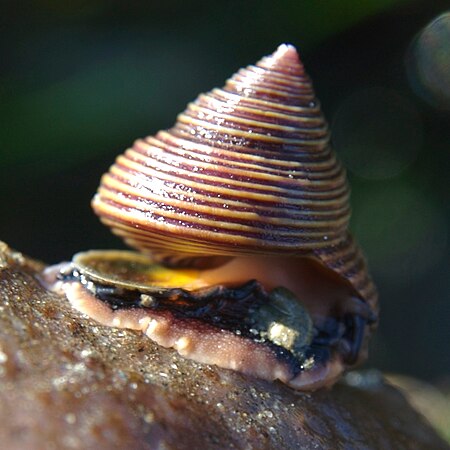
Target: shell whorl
246, 169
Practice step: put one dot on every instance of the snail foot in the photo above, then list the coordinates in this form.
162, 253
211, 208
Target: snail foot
269, 335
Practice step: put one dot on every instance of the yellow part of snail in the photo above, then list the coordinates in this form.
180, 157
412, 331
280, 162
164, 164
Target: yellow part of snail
240, 213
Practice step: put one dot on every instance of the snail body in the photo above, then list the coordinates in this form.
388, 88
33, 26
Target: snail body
240, 214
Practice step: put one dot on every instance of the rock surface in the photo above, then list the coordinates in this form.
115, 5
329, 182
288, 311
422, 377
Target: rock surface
68, 383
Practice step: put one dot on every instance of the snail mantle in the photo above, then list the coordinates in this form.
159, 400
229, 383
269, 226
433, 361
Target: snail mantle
240, 214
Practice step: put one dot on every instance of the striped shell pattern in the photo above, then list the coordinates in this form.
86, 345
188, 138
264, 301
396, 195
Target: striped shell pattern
246, 169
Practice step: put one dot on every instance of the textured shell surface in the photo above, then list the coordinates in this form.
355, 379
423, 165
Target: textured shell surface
246, 169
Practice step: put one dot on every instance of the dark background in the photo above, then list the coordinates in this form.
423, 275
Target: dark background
80, 80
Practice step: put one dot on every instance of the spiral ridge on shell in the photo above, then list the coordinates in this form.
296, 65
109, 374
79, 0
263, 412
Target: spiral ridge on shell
246, 168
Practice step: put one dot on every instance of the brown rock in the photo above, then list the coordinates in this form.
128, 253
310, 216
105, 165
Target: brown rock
67, 382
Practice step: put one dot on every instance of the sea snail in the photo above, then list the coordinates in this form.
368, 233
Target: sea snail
240, 214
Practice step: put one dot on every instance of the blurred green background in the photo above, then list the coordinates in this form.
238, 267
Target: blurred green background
80, 80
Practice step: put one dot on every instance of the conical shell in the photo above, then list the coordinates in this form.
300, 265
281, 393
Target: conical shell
246, 169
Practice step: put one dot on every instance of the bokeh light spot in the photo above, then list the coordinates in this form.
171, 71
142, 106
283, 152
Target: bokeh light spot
428, 62
377, 133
